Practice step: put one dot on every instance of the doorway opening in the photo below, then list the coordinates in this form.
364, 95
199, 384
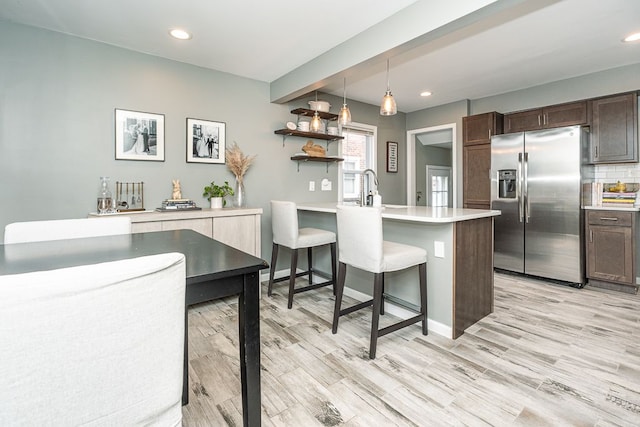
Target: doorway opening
434, 146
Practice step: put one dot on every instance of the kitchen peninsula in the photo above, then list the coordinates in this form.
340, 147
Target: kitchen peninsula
459, 244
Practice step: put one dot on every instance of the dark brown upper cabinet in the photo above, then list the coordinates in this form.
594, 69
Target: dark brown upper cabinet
553, 116
479, 129
614, 129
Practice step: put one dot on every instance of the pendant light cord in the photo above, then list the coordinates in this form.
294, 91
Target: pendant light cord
388, 85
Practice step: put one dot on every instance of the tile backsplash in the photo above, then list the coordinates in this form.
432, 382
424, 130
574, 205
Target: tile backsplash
628, 172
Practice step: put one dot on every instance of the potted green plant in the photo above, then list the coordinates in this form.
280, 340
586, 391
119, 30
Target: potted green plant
215, 194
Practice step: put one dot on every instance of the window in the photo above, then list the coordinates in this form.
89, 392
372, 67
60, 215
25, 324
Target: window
358, 151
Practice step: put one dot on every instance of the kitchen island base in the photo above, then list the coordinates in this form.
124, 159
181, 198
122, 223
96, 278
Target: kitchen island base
459, 244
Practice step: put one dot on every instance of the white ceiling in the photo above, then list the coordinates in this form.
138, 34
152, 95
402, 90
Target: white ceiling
267, 40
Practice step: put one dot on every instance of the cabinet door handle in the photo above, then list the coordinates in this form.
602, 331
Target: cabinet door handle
544, 119
539, 124
590, 236
608, 218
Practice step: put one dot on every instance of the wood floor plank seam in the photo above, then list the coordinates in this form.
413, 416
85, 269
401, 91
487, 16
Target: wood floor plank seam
548, 355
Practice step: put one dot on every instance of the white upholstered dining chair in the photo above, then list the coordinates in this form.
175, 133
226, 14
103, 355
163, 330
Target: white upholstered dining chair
284, 223
99, 344
39, 231
361, 245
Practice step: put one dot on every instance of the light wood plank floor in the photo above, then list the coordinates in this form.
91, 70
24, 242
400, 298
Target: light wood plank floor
549, 355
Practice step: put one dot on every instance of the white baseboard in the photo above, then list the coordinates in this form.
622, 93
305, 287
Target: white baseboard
389, 307
402, 313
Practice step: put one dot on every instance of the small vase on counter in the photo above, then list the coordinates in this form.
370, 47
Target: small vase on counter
239, 200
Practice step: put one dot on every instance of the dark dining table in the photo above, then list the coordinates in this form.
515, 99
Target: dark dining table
214, 270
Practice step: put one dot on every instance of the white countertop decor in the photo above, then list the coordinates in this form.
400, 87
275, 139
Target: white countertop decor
410, 213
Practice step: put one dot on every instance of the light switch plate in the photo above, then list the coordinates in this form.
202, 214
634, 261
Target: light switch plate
326, 185
312, 186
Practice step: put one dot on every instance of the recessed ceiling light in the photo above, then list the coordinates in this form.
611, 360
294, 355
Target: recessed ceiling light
632, 37
425, 93
180, 34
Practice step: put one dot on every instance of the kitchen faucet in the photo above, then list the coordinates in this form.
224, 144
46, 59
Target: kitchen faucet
362, 193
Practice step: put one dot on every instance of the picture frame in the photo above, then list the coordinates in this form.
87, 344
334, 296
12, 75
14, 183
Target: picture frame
139, 135
392, 157
206, 141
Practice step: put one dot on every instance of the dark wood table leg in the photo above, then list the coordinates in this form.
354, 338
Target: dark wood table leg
249, 321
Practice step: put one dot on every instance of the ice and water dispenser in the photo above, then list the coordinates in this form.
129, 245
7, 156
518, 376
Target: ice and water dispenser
507, 184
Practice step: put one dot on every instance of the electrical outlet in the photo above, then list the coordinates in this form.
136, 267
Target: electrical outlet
438, 249
312, 186
325, 185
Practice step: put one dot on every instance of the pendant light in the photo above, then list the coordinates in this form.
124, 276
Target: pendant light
345, 115
316, 123
388, 106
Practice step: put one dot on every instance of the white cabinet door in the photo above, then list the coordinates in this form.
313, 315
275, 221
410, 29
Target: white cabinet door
240, 232
201, 225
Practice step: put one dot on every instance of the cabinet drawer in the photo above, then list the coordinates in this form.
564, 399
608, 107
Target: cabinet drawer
613, 218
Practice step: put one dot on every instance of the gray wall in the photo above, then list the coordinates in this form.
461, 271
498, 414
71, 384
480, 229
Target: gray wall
57, 100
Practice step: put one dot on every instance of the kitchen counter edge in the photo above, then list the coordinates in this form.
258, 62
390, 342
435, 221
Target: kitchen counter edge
411, 213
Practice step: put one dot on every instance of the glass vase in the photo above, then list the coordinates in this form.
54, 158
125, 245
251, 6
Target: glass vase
104, 196
239, 200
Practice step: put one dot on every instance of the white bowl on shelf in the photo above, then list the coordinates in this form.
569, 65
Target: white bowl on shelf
322, 106
303, 126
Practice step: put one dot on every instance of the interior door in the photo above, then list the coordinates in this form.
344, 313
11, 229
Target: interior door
439, 186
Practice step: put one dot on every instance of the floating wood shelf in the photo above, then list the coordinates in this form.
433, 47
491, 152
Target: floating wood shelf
312, 135
309, 113
327, 160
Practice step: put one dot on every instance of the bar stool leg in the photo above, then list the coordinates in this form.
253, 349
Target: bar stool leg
342, 272
310, 264
382, 299
375, 316
333, 266
292, 276
422, 270
272, 270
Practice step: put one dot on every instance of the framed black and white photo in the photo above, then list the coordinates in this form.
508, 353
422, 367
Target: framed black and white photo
392, 156
139, 136
205, 141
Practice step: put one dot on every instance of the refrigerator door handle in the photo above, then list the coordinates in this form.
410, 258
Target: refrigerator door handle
519, 189
525, 186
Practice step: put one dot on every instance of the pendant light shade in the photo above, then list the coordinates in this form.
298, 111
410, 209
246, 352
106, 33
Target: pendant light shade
316, 122
388, 106
345, 115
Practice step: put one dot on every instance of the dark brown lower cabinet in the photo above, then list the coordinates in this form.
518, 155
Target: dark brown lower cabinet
473, 273
611, 249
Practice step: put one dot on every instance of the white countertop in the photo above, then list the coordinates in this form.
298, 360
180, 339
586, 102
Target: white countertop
612, 208
177, 214
411, 213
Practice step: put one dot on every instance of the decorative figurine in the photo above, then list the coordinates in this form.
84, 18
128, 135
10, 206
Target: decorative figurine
314, 150
176, 194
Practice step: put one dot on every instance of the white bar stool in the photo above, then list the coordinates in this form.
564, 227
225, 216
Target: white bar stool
284, 223
361, 245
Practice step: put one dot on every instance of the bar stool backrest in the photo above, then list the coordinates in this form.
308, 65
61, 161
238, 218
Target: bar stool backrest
360, 239
284, 223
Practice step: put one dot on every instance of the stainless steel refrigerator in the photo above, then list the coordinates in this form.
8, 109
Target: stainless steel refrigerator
536, 183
